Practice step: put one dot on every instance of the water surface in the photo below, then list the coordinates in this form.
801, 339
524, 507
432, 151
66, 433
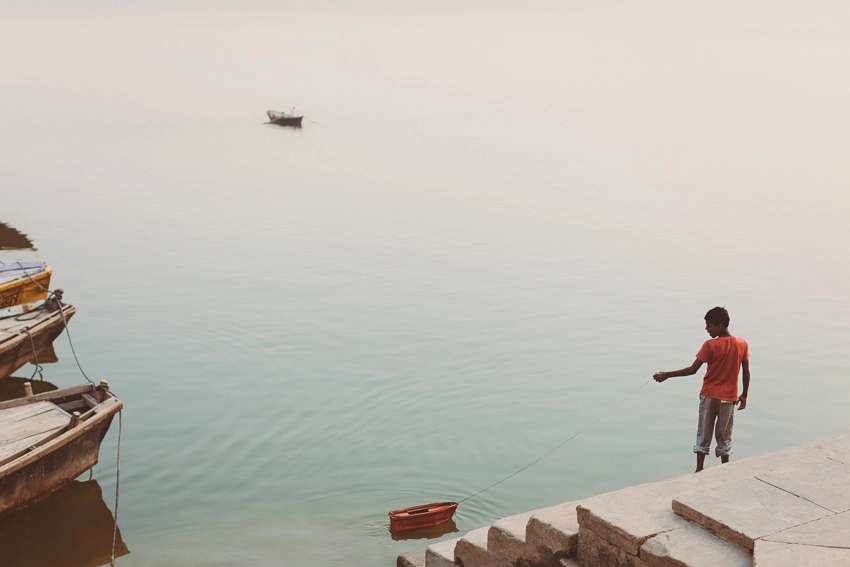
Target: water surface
495, 224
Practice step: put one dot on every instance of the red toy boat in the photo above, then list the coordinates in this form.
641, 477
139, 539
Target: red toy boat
423, 516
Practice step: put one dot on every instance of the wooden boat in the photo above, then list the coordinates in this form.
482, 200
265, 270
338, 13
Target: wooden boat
49, 439
423, 516
23, 282
284, 119
23, 335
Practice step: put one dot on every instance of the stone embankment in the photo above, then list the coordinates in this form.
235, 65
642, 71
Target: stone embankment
784, 509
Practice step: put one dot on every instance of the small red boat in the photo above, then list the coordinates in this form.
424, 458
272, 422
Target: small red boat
423, 516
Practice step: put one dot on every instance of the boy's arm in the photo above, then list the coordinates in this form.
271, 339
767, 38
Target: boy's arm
745, 375
692, 369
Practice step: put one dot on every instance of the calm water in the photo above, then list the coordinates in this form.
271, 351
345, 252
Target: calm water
496, 223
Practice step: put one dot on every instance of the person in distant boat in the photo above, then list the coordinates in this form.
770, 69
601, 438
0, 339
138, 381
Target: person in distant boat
54, 302
726, 356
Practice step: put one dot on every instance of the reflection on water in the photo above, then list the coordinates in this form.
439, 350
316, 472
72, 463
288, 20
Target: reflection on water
13, 387
426, 533
72, 528
47, 355
12, 239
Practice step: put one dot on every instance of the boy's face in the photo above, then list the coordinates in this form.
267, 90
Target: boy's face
714, 329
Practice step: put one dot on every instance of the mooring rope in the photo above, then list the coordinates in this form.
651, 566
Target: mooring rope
117, 483
120, 432
70, 342
34, 355
612, 408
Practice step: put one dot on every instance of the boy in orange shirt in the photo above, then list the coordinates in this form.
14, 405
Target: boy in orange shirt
725, 355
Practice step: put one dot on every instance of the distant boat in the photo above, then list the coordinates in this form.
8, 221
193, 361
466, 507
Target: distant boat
49, 439
423, 516
25, 333
284, 119
23, 282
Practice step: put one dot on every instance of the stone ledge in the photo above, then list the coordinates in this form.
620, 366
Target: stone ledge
594, 550
471, 549
554, 530
691, 546
824, 482
627, 518
506, 540
832, 531
774, 554
411, 559
441, 554
747, 510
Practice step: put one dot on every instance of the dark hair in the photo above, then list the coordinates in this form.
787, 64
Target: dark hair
718, 316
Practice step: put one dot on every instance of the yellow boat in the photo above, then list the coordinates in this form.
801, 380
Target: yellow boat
24, 282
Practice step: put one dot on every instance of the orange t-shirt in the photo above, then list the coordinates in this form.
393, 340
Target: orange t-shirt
724, 356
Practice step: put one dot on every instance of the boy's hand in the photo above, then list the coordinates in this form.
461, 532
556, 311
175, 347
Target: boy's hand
661, 376
742, 402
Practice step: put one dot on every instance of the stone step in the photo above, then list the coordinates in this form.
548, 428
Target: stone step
441, 554
506, 540
471, 549
554, 530
637, 527
411, 559
775, 554
786, 509
745, 511
690, 545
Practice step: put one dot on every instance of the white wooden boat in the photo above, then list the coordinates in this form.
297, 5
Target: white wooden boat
24, 333
49, 439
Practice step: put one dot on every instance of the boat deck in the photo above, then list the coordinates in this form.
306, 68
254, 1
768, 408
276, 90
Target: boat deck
30, 425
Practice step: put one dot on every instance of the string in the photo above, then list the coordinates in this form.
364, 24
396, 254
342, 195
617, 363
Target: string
612, 408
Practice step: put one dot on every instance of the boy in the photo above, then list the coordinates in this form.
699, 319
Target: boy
725, 355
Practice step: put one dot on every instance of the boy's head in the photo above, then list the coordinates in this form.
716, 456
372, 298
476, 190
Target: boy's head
716, 321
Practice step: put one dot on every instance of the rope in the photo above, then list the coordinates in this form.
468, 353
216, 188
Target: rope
70, 342
117, 483
38, 285
612, 408
38, 368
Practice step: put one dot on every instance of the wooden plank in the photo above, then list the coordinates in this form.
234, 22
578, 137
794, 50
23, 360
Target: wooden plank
13, 451
52, 395
71, 407
13, 415
34, 425
89, 400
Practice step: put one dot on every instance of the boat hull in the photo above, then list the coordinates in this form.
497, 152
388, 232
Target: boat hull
22, 343
283, 119
25, 289
44, 469
424, 516
288, 121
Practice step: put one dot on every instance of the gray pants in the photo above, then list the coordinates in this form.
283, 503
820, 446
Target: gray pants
715, 417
